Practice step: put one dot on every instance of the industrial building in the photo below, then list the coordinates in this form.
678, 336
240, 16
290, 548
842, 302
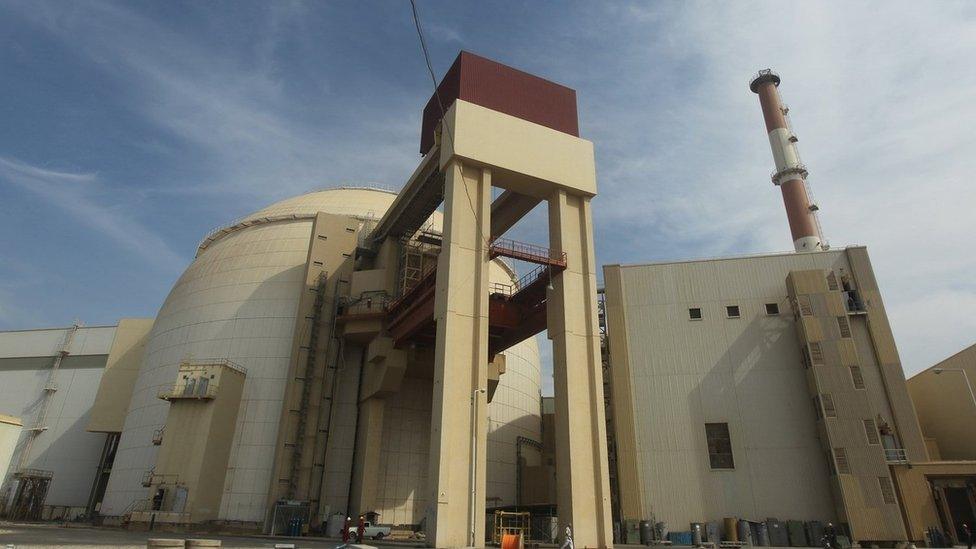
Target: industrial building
237, 301
763, 396
347, 351
943, 397
359, 351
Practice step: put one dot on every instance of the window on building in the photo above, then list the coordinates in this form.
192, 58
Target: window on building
816, 352
842, 466
857, 377
887, 490
732, 311
695, 313
804, 305
828, 405
871, 430
772, 309
832, 281
719, 446
845, 326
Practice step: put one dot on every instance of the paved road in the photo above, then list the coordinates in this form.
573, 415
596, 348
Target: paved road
49, 535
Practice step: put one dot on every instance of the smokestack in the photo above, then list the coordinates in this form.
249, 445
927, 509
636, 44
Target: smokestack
790, 172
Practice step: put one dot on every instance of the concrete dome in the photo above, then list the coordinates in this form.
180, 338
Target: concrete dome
238, 300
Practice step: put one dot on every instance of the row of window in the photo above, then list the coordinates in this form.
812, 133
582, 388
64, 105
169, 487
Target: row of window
720, 454
732, 311
841, 465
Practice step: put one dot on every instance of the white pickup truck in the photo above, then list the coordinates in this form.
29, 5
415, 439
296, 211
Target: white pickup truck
375, 532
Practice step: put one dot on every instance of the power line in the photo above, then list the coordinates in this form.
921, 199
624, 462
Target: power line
440, 105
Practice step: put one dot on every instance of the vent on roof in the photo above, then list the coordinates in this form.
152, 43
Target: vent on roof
887, 490
845, 326
856, 377
828, 405
832, 281
843, 467
816, 353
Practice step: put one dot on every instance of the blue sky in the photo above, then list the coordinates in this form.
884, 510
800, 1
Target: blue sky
131, 129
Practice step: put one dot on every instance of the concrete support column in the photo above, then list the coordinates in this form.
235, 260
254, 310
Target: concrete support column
582, 475
459, 421
366, 462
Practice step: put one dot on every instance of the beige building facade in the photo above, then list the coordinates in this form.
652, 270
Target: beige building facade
755, 387
943, 397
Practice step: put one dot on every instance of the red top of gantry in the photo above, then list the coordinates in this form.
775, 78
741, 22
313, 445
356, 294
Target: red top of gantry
501, 88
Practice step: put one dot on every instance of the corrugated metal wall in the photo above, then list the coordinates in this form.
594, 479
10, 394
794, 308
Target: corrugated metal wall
65, 447
745, 371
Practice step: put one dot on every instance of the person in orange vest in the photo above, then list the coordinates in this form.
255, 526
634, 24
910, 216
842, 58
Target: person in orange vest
345, 530
361, 529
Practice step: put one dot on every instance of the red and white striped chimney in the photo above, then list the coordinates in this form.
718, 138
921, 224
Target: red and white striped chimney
790, 172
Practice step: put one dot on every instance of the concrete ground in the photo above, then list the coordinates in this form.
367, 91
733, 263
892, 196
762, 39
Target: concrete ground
19, 535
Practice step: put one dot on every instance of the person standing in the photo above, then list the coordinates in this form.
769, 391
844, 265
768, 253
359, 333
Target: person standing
967, 536
361, 529
568, 541
345, 530
830, 536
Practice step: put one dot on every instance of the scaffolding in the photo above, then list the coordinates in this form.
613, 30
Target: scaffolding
509, 523
418, 257
608, 404
32, 486
307, 379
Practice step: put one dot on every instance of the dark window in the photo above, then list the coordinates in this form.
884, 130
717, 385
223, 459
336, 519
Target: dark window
772, 308
871, 431
832, 281
828, 405
843, 466
844, 326
719, 446
857, 377
887, 490
816, 353
732, 311
694, 313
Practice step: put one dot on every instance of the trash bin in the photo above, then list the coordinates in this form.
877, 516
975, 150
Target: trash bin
646, 537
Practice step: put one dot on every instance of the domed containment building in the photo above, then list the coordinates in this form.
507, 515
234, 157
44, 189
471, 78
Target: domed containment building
356, 351
269, 302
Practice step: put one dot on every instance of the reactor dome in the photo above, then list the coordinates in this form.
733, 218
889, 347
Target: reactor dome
238, 301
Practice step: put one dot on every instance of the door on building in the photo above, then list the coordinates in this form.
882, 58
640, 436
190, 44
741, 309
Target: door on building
960, 502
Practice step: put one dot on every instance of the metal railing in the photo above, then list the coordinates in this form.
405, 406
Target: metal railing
522, 282
896, 455
189, 390
526, 252
763, 72
853, 302
369, 304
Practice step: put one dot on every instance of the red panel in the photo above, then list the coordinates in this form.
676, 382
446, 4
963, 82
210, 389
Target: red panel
501, 88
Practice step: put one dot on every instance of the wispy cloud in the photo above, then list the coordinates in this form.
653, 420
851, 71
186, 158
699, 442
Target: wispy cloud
686, 173
75, 194
240, 107
232, 113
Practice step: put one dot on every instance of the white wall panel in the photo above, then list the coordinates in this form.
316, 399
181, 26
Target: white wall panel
742, 371
64, 448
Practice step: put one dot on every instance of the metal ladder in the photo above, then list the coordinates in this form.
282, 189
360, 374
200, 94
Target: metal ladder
50, 387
